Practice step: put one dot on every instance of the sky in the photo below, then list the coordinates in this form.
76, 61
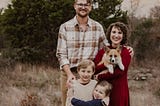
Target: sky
3, 3
144, 6
142, 10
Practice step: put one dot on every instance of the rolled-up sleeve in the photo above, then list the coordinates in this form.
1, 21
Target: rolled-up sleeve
61, 52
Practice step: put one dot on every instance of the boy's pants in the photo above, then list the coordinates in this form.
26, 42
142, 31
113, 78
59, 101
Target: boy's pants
63, 80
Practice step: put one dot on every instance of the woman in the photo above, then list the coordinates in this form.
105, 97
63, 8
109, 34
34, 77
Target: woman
117, 36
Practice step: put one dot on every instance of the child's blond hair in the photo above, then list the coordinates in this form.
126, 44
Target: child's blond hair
85, 63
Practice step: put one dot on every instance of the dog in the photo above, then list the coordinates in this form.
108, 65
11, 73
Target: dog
111, 58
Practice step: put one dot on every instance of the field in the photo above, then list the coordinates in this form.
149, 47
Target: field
27, 85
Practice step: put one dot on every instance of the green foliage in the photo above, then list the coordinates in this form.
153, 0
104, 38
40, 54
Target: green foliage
109, 11
30, 27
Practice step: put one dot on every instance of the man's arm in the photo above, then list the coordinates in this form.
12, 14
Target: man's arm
62, 54
130, 50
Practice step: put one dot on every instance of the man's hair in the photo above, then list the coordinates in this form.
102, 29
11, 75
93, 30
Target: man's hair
88, 1
85, 63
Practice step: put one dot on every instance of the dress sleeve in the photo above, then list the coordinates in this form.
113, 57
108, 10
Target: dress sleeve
126, 59
77, 102
97, 59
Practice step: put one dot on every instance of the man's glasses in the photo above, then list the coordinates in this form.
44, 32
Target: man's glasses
83, 5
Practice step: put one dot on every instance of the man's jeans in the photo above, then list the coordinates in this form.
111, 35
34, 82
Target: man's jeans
63, 80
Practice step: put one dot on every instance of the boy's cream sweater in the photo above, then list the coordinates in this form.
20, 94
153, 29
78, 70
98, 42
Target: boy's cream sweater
80, 91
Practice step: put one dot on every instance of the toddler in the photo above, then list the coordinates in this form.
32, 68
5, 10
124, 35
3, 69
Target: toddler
100, 94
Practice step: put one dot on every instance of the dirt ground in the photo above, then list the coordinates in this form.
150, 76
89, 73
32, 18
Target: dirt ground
144, 86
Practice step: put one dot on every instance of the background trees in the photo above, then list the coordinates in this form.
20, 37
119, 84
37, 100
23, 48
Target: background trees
109, 11
29, 28
145, 39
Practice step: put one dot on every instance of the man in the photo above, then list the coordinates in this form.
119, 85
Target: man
79, 38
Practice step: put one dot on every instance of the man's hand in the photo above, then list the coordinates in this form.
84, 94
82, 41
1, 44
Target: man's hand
130, 50
69, 82
70, 75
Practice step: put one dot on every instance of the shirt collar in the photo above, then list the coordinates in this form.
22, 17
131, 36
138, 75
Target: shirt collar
89, 23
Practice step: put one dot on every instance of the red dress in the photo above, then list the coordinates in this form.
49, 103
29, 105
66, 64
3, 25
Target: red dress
120, 93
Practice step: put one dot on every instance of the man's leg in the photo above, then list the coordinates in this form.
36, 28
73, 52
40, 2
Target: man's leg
63, 80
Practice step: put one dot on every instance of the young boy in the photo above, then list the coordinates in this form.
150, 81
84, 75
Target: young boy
100, 94
82, 88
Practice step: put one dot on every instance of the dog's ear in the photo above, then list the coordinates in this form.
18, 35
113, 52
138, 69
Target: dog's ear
119, 48
106, 48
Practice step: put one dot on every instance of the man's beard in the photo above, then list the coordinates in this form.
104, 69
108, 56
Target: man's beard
83, 15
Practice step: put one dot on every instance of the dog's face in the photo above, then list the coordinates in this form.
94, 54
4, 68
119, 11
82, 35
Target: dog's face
111, 58
112, 55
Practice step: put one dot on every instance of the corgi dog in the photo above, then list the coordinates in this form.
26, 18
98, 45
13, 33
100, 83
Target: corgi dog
111, 58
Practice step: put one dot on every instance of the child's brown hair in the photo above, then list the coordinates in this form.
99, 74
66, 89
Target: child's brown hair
105, 84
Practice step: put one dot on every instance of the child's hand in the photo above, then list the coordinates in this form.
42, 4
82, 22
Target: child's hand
95, 77
105, 101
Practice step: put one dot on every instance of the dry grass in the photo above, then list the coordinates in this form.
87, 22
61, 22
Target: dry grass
27, 85
144, 92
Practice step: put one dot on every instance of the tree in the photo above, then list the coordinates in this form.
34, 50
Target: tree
155, 12
143, 40
109, 11
30, 27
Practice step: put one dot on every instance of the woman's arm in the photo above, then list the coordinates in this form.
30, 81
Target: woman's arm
98, 58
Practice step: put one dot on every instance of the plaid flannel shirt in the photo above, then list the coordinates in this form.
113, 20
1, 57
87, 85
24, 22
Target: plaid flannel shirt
74, 44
